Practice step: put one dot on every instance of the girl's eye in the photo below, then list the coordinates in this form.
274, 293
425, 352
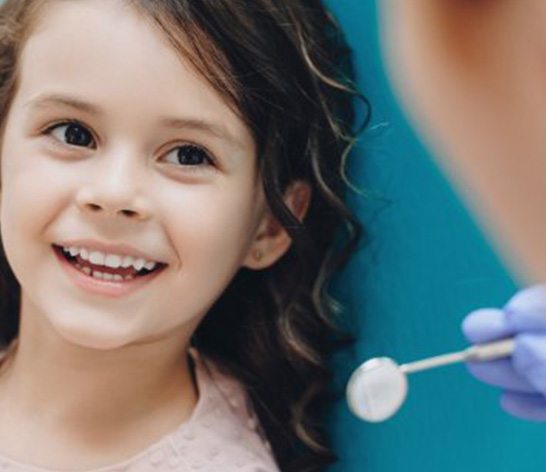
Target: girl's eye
189, 155
74, 134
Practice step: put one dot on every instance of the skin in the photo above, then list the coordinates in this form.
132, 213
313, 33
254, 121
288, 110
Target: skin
471, 74
96, 379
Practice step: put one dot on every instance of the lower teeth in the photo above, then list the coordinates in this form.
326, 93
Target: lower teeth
103, 275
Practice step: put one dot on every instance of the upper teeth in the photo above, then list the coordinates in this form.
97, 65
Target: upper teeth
109, 260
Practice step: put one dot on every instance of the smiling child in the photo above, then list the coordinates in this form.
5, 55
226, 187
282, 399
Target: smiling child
171, 186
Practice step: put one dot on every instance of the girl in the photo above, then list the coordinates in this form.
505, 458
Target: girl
171, 185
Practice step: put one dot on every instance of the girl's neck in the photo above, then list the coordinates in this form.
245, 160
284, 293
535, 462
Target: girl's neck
75, 404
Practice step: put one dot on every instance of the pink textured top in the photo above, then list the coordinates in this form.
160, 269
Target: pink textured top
222, 435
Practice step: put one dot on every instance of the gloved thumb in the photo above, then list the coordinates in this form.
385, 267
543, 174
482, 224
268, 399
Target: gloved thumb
484, 325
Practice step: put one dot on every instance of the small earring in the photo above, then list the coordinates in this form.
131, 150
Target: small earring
257, 254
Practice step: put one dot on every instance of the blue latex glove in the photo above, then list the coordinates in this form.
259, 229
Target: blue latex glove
523, 375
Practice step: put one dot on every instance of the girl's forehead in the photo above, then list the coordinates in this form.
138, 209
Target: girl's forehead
112, 54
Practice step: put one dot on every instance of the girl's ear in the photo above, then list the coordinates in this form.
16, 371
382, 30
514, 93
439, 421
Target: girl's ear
271, 240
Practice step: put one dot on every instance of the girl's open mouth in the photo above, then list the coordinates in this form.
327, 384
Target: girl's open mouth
102, 279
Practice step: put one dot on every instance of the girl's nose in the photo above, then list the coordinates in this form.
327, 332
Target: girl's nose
115, 189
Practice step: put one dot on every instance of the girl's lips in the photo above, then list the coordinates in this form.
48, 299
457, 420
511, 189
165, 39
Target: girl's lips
109, 288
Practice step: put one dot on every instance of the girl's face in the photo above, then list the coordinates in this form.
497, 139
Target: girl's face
153, 139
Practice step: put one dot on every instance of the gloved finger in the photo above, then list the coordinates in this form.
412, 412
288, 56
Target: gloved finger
485, 324
500, 373
526, 310
524, 405
529, 359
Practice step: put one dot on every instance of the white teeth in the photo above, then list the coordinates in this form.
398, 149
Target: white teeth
139, 264
96, 258
127, 261
110, 260
103, 275
150, 265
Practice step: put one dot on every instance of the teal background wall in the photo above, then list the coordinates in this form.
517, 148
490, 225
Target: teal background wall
426, 266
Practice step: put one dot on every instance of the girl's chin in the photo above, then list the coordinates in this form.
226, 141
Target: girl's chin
87, 340
107, 337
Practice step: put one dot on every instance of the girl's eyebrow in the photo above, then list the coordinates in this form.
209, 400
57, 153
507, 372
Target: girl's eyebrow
217, 130
45, 101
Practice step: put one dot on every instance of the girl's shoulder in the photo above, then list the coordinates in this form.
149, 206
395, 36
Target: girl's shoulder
222, 434
225, 424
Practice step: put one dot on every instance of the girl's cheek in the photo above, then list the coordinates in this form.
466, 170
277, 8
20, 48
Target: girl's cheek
218, 217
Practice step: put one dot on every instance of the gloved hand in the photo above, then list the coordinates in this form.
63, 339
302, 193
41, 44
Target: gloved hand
522, 376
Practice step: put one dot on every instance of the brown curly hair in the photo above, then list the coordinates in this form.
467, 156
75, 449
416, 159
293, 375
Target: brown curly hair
285, 69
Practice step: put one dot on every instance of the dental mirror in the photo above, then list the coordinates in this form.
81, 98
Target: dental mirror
377, 389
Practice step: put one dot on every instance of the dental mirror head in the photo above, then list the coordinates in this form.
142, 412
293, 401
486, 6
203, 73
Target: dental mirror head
377, 389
